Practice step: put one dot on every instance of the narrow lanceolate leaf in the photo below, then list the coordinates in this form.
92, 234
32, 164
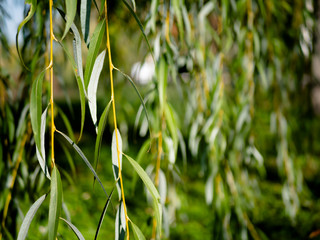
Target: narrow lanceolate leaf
152, 189
28, 218
103, 214
55, 204
74, 229
132, 11
80, 85
85, 10
75, 146
116, 158
101, 127
138, 235
41, 155
139, 95
94, 47
93, 86
120, 224
77, 52
71, 9
162, 76
32, 10
36, 108
144, 177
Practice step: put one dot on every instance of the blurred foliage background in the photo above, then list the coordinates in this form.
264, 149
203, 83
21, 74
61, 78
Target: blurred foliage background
233, 96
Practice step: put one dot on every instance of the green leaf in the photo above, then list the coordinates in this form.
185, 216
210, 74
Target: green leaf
74, 229
138, 235
103, 214
177, 5
85, 10
93, 86
162, 76
141, 155
29, 217
36, 107
94, 47
144, 177
32, 10
77, 52
152, 189
132, 11
71, 9
55, 204
41, 155
158, 214
120, 223
83, 158
101, 127
139, 95
115, 160
80, 86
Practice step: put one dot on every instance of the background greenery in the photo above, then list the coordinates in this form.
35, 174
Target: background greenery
234, 97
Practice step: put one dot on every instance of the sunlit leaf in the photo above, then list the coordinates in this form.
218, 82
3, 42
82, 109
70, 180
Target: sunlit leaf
103, 214
152, 189
32, 10
116, 158
94, 47
41, 155
138, 235
120, 223
29, 217
71, 9
55, 204
85, 10
93, 86
75, 146
74, 229
162, 77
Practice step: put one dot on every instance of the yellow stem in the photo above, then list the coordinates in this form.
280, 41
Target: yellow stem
53, 128
115, 119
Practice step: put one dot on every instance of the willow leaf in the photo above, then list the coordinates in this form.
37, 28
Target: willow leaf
103, 214
139, 95
120, 223
94, 47
71, 9
75, 146
144, 177
23, 232
41, 155
93, 86
80, 86
132, 11
162, 77
85, 10
101, 127
116, 158
138, 235
36, 107
152, 189
31, 12
74, 229
77, 52
55, 204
